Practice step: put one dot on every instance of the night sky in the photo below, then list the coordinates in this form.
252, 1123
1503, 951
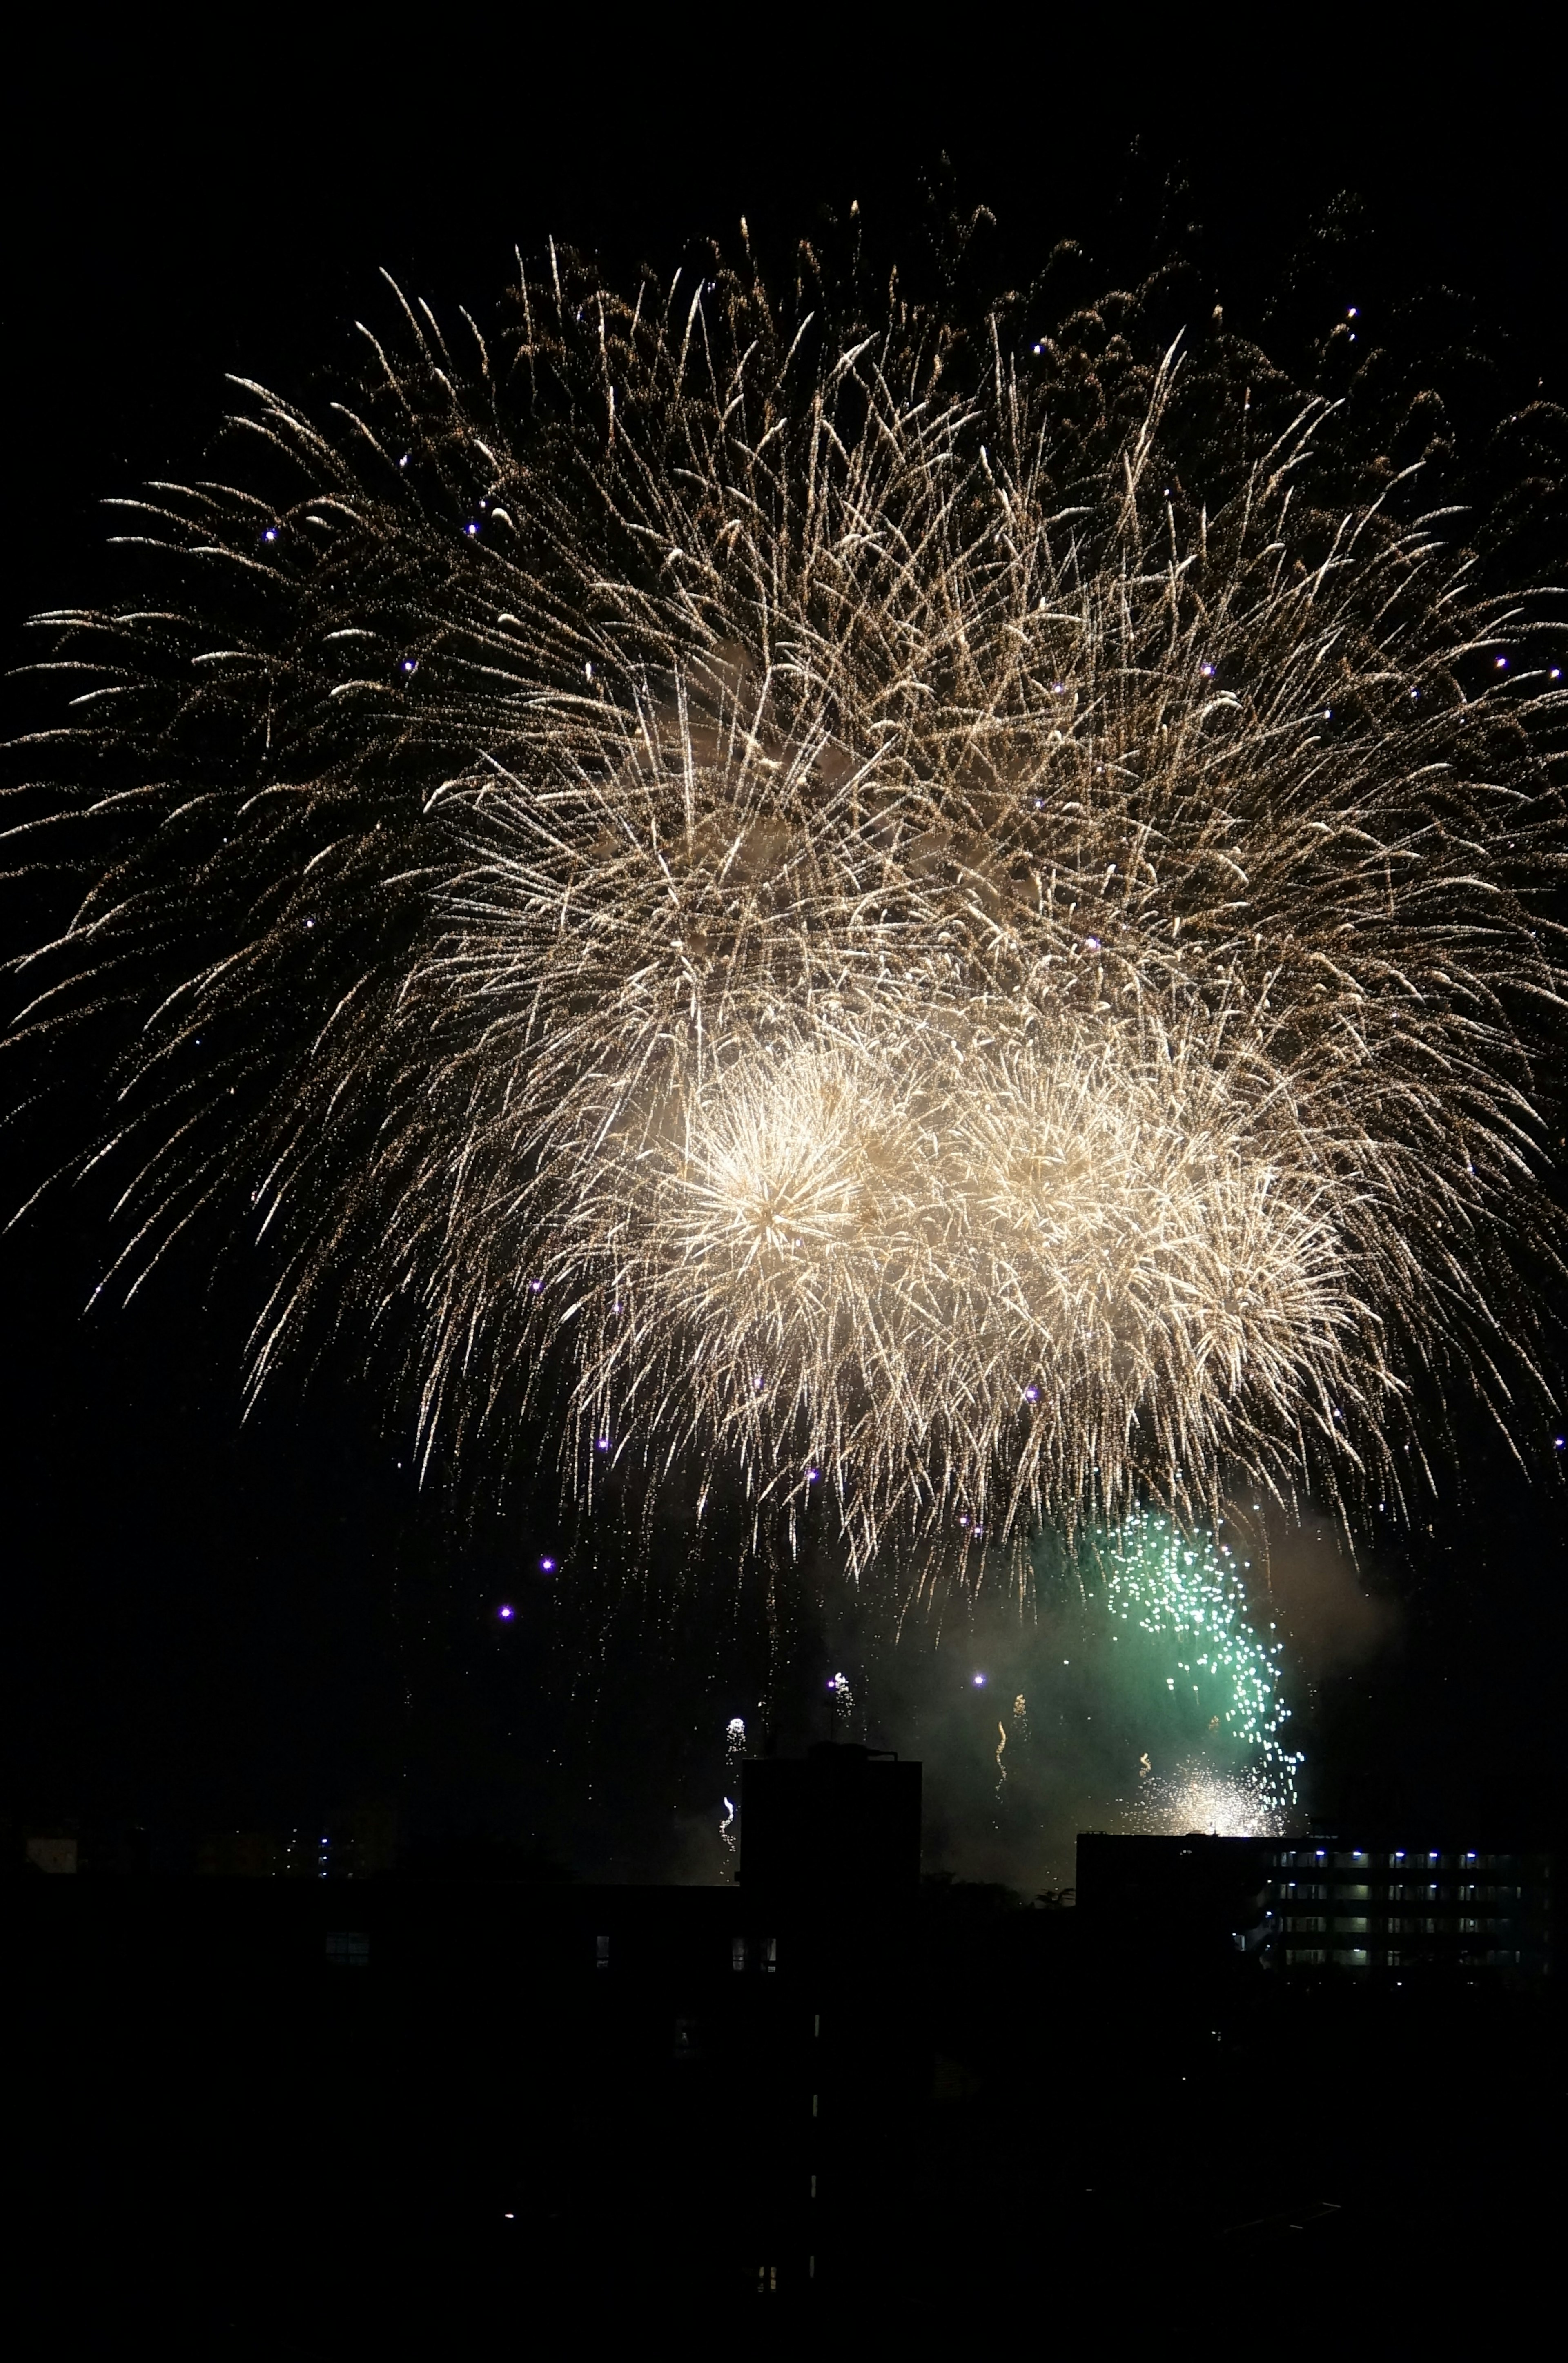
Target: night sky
207, 1624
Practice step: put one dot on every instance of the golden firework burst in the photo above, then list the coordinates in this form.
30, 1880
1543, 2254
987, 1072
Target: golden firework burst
871, 937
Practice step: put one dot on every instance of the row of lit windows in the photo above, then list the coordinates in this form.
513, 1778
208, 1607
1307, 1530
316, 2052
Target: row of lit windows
1400, 1858
1356, 1956
1347, 1890
1403, 1923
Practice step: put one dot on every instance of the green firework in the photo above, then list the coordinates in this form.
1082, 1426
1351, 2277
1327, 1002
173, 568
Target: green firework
1181, 1596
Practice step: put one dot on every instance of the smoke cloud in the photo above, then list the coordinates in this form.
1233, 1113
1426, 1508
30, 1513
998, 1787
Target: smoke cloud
1335, 1614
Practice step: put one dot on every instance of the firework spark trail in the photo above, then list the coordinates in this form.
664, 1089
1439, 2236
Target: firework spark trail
1190, 1588
734, 1752
915, 961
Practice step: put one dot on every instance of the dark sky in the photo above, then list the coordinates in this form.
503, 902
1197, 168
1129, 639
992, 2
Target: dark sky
202, 1624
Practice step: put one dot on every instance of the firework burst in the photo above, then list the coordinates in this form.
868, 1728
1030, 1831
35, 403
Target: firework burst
1188, 1593
827, 908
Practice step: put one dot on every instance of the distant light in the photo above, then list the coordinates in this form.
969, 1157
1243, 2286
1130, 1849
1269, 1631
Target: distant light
1031, 1394
1502, 664
812, 1476
979, 1682
408, 664
548, 1565
505, 1614
270, 534
470, 528
604, 1444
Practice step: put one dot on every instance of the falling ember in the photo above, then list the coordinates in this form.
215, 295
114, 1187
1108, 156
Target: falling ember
738, 927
